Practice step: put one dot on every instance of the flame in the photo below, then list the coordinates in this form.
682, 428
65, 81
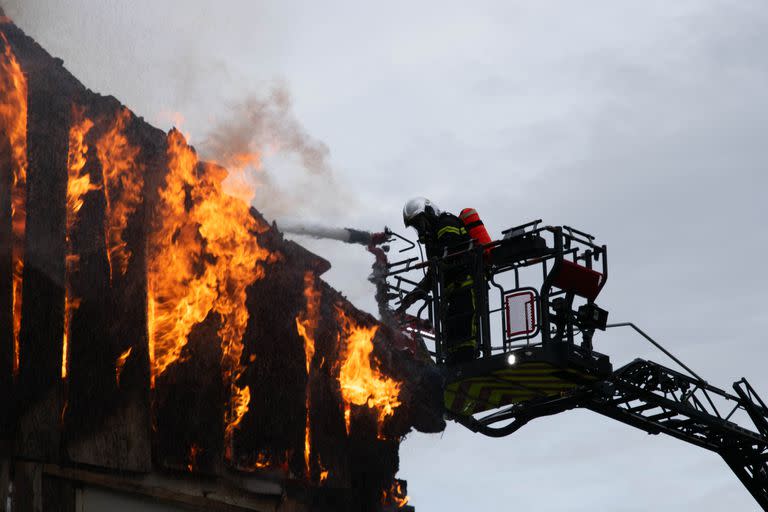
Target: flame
265, 461
395, 495
13, 116
151, 323
203, 255
306, 325
124, 181
121, 363
347, 416
238, 406
194, 451
239, 182
171, 117
70, 305
361, 384
262, 461
78, 184
306, 322
307, 443
179, 296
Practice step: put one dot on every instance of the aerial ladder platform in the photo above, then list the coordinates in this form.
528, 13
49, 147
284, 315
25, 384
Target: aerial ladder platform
534, 320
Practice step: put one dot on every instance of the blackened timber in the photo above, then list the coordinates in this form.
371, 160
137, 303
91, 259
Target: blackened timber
90, 369
329, 437
110, 321
274, 425
42, 317
6, 291
188, 405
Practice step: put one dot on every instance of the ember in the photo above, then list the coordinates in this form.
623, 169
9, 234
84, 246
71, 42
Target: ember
194, 451
396, 495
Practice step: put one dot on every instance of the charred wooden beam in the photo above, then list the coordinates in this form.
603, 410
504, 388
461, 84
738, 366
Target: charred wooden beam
273, 427
108, 424
7, 351
90, 377
189, 406
42, 318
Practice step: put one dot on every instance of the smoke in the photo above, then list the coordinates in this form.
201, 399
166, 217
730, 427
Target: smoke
13, 8
260, 123
272, 159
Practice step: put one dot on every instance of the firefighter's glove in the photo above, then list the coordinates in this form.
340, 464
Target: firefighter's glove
414, 296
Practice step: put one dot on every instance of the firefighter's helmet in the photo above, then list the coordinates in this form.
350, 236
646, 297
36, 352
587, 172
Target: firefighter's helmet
417, 206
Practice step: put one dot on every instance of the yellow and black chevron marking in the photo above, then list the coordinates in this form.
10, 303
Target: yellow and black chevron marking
510, 385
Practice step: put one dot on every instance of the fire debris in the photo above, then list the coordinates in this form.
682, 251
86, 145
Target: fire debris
78, 184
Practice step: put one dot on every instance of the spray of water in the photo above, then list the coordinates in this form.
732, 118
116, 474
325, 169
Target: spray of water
348, 235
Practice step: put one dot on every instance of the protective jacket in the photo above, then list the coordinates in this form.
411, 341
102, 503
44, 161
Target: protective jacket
448, 235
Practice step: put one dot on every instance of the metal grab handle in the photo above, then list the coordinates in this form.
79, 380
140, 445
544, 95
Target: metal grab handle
657, 345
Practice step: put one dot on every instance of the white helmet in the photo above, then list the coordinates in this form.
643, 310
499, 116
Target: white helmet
417, 206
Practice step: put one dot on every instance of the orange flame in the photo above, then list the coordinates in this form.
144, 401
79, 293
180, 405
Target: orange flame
203, 256
121, 363
13, 116
123, 178
361, 383
78, 184
395, 495
265, 461
306, 322
194, 451
170, 117
262, 461
239, 182
306, 325
238, 406
179, 297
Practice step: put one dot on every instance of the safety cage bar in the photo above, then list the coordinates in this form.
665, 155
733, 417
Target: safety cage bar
572, 265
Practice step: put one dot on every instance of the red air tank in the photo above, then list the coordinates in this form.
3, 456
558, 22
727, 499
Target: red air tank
475, 226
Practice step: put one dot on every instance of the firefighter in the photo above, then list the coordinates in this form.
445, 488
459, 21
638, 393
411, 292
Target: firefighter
442, 233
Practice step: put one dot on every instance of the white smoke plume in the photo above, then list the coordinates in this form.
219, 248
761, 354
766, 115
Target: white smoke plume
272, 159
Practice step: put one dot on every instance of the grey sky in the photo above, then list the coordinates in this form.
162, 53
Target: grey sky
641, 122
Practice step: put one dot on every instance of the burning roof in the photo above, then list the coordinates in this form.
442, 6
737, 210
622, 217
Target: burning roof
150, 321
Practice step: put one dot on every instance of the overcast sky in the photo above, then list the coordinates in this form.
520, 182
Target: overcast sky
643, 123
